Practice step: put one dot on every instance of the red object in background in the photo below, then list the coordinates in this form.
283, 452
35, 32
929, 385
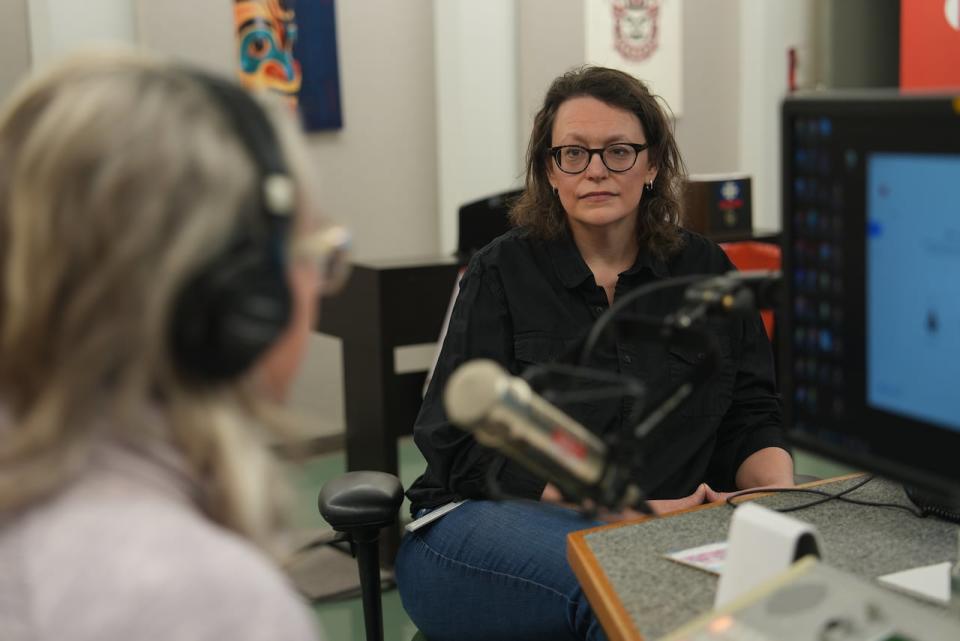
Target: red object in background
750, 254
792, 69
929, 44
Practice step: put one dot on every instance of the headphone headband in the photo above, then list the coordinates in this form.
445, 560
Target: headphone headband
238, 304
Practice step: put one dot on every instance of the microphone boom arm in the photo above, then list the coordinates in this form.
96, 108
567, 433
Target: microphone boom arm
734, 292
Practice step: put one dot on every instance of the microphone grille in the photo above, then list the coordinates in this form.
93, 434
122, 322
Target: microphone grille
473, 391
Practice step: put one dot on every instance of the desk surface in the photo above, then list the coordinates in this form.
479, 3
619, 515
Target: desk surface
638, 594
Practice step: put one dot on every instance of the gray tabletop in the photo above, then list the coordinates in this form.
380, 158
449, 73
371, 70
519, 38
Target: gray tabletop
659, 595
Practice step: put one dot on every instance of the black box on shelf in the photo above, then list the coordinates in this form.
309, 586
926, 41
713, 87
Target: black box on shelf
718, 205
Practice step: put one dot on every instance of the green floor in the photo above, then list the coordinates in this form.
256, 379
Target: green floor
343, 620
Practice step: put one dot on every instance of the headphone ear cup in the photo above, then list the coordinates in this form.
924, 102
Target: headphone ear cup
229, 315
239, 303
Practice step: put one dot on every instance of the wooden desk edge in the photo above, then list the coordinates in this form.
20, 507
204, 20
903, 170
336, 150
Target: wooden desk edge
607, 606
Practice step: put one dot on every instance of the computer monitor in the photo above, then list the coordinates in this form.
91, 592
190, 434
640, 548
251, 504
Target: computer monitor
870, 329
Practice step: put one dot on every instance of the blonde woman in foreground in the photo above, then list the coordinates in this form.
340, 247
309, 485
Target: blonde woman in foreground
158, 279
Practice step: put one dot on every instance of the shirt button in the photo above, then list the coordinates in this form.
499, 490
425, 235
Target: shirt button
627, 359
598, 309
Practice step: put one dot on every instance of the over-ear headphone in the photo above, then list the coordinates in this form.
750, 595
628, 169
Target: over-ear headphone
239, 303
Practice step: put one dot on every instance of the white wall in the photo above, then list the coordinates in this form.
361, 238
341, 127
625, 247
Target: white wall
197, 32
475, 45
14, 44
551, 41
768, 30
200, 32
708, 131
59, 26
379, 173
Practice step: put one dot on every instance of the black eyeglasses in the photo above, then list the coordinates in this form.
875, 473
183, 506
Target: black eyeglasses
618, 157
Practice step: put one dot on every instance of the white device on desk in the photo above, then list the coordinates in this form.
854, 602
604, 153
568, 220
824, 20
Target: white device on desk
815, 602
762, 544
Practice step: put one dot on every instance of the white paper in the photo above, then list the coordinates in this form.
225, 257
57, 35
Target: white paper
763, 543
709, 558
930, 581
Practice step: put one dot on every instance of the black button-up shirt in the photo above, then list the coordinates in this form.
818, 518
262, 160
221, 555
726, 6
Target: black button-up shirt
525, 301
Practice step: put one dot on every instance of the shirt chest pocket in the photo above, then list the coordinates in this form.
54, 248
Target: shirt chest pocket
573, 395
714, 397
537, 350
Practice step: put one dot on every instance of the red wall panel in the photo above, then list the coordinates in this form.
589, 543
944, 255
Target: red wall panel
929, 43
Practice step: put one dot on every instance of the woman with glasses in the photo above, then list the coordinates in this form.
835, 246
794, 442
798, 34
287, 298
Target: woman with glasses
599, 219
160, 263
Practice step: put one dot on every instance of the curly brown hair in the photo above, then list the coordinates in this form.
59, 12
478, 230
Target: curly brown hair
540, 211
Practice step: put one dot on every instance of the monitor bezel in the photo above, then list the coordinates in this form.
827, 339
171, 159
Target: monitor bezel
919, 117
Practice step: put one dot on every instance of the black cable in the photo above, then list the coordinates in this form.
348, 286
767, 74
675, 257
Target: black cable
839, 496
827, 496
600, 326
618, 385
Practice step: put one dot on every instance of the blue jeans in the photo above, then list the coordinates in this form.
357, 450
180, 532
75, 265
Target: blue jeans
496, 571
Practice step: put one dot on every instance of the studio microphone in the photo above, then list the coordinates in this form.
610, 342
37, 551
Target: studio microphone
735, 292
503, 413
738, 291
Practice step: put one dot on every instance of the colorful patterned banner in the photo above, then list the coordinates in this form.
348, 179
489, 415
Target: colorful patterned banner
291, 49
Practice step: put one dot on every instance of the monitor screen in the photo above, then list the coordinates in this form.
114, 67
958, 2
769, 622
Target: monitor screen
870, 334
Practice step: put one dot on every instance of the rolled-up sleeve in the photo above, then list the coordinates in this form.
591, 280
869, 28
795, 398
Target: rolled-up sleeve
754, 420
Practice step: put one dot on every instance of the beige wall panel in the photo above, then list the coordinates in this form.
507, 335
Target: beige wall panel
14, 44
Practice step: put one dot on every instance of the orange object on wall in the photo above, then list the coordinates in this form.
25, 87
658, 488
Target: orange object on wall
750, 254
929, 44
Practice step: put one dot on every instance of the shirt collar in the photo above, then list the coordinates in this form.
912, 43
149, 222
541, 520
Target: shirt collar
570, 266
646, 260
572, 270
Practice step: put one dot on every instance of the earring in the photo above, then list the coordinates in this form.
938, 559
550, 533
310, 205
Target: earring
556, 192
649, 186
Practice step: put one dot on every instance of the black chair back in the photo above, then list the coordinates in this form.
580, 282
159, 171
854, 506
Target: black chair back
480, 221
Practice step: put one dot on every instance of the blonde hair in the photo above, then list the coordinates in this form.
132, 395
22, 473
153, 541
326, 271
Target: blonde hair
119, 178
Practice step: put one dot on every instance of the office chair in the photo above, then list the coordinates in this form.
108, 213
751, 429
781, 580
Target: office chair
751, 254
482, 220
479, 222
359, 505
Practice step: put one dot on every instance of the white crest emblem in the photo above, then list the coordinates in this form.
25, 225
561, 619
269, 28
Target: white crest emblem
635, 28
730, 190
951, 9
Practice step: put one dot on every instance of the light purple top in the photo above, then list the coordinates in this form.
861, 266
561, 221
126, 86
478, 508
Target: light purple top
125, 554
